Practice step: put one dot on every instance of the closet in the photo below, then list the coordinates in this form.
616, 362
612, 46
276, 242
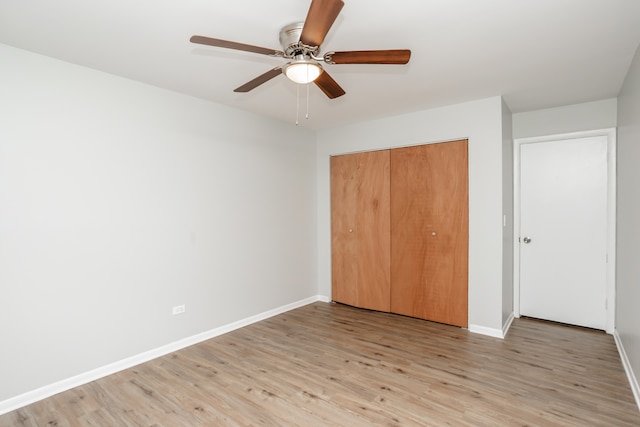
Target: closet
400, 231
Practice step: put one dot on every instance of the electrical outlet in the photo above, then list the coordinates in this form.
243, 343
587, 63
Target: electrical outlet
178, 309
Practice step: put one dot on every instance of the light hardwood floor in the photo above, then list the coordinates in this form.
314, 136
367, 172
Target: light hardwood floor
333, 365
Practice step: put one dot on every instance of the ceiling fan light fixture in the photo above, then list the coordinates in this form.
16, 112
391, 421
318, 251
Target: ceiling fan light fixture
302, 72
301, 43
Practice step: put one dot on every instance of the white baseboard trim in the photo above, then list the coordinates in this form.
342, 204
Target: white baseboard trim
483, 330
492, 332
29, 397
507, 325
322, 298
633, 381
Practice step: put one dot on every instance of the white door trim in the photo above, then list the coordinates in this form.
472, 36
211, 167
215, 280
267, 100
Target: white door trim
610, 133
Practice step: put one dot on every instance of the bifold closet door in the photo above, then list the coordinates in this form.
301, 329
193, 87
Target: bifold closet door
430, 232
360, 233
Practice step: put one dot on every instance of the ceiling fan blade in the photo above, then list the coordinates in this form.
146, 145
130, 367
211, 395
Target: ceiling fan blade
395, 56
329, 86
234, 45
321, 16
263, 78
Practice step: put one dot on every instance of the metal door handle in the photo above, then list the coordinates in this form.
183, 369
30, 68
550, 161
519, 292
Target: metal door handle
527, 240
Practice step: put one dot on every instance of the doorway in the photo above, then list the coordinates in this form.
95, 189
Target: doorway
564, 226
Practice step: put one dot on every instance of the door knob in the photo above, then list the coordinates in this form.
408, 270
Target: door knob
527, 240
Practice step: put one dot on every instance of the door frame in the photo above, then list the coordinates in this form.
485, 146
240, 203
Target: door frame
610, 134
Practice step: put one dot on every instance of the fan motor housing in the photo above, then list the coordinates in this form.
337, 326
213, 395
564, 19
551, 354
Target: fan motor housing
291, 44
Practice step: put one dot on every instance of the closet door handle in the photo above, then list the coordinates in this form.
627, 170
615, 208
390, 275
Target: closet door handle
351, 230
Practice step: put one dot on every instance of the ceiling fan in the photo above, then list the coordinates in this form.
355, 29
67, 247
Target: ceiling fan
301, 47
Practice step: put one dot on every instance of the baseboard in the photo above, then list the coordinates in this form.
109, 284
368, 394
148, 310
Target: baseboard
633, 381
493, 332
95, 374
483, 330
323, 298
507, 325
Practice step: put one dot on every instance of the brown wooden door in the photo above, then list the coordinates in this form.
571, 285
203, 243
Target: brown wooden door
360, 230
430, 232
344, 246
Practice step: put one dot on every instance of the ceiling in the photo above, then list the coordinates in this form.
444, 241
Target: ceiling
535, 53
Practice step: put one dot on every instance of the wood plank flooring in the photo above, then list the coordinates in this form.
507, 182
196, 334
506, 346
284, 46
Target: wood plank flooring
334, 365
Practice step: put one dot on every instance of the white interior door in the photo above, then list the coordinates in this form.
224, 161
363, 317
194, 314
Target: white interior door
563, 231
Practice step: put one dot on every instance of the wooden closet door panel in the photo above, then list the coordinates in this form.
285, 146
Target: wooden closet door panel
344, 245
448, 218
408, 226
373, 232
429, 213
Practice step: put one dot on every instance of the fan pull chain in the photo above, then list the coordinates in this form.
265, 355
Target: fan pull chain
307, 115
297, 103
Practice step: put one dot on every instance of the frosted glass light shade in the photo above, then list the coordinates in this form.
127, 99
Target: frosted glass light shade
302, 72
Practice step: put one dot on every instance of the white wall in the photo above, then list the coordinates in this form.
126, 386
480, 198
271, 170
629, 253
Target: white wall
119, 200
628, 219
507, 209
480, 122
570, 118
